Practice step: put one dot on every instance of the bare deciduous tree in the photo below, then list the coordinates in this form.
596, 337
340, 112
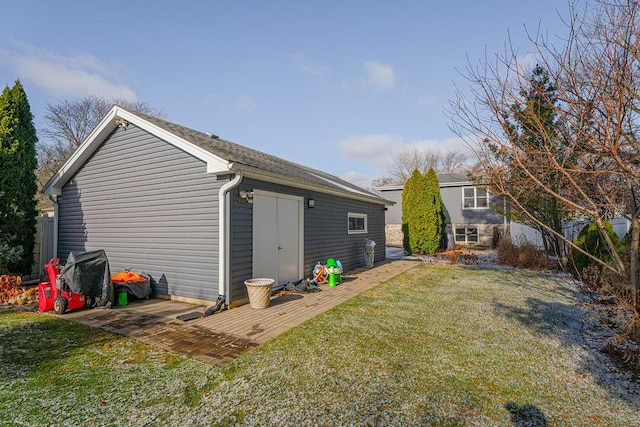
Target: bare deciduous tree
594, 153
407, 161
453, 162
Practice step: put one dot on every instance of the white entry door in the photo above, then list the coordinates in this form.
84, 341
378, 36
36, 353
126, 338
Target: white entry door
277, 236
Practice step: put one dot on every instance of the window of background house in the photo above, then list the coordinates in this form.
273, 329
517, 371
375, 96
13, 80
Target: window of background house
466, 235
475, 198
357, 223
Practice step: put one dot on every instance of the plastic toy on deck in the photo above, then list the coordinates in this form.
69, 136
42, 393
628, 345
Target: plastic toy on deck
332, 272
319, 273
334, 268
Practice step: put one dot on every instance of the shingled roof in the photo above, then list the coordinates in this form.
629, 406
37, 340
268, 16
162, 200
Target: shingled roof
229, 157
444, 179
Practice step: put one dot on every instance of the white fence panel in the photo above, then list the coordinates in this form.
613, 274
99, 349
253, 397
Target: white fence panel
521, 233
621, 226
571, 230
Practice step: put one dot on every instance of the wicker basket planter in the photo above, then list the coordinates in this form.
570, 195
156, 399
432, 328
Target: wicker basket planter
259, 291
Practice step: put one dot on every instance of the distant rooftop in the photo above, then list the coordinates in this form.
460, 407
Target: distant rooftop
445, 180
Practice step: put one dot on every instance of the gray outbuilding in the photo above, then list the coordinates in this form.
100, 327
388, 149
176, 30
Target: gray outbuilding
200, 215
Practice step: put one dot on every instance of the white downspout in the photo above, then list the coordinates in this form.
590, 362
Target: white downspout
55, 225
223, 235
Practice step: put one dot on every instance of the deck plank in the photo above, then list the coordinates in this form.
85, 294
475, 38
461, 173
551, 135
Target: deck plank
154, 321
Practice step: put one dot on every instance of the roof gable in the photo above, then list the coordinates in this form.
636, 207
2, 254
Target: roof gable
118, 116
221, 157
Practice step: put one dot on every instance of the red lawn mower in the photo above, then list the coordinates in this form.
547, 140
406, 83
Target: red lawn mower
50, 297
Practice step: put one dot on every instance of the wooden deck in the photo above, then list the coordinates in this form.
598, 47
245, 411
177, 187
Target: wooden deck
227, 333
288, 311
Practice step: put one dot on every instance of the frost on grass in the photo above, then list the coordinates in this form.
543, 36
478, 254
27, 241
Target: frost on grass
622, 382
435, 346
467, 363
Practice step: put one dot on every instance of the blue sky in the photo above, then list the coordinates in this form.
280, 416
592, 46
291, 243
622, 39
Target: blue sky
341, 86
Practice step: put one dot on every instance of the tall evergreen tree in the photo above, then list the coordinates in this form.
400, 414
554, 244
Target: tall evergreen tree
412, 201
435, 223
17, 180
422, 213
535, 130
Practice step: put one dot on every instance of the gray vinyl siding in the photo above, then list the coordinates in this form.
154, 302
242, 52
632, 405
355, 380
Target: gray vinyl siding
241, 236
452, 199
151, 207
393, 214
325, 232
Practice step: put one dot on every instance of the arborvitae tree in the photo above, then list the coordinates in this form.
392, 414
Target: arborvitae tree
412, 199
422, 214
17, 180
435, 221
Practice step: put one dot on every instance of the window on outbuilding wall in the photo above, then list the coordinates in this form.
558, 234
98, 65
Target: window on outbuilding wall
357, 223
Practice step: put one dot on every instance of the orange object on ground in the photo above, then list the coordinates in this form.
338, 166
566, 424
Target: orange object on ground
127, 277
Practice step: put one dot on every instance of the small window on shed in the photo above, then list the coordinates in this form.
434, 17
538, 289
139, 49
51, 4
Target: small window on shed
357, 223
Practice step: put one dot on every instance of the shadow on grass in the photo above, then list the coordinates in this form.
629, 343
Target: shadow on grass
556, 320
33, 343
526, 415
541, 283
546, 318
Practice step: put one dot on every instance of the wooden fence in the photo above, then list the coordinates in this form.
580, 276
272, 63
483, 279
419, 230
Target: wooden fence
43, 248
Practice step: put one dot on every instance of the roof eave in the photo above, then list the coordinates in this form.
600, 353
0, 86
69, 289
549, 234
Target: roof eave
262, 175
393, 187
456, 184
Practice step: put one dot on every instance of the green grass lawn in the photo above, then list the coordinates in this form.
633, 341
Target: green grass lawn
438, 345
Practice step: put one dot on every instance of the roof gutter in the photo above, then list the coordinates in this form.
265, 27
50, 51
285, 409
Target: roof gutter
262, 175
224, 236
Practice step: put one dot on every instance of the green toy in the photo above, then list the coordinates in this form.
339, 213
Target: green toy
334, 268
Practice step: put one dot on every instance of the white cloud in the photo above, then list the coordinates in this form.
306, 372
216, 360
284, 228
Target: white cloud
357, 178
370, 148
527, 61
73, 75
379, 76
315, 71
380, 150
522, 67
442, 145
